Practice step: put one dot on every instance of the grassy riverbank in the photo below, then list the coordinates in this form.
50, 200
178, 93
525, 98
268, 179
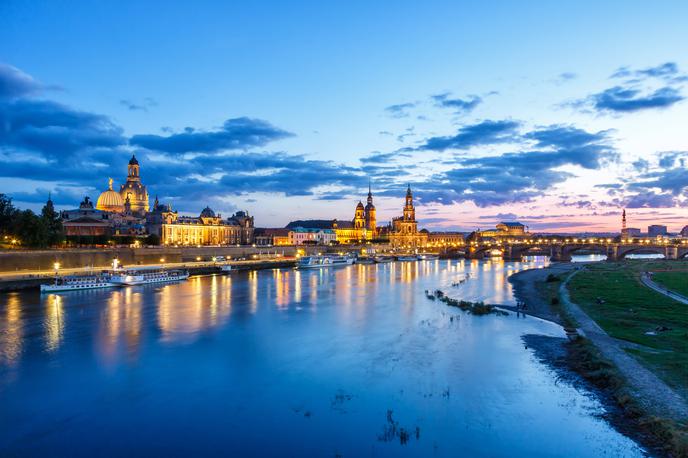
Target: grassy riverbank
613, 296
673, 281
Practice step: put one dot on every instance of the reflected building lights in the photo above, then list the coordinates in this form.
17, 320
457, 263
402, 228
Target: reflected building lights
11, 331
54, 322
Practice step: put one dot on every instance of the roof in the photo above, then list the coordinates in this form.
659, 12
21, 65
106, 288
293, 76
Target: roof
272, 232
512, 224
315, 223
133, 160
312, 229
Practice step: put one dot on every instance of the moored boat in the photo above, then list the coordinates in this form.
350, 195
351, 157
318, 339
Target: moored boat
144, 277
427, 256
383, 259
226, 268
365, 260
318, 261
407, 258
77, 283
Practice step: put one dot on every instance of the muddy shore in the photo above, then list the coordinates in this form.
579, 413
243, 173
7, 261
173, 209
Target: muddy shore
572, 361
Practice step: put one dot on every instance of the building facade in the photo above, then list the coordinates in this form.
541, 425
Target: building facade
506, 230
128, 213
404, 233
312, 236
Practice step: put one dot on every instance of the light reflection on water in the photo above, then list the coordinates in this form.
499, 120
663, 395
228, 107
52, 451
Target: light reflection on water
288, 362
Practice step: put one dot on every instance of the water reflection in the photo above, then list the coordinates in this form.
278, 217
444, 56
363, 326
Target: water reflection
11, 331
314, 358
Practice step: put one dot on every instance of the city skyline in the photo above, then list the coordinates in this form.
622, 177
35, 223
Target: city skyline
233, 113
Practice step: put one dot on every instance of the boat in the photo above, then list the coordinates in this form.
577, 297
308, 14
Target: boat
427, 257
316, 262
383, 259
144, 277
365, 260
77, 283
225, 267
407, 258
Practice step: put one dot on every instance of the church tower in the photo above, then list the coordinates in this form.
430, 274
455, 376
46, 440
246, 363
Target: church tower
409, 211
134, 189
370, 213
359, 216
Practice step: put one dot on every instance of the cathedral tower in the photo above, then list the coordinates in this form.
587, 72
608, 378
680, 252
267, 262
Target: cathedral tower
134, 189
409, 211
370, 213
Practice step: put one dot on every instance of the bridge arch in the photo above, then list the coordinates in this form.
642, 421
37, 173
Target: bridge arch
623, 252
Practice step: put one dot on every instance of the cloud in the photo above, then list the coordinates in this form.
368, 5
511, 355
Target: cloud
484, 133
625, 99
644, 89
147, 103
521, 176
400, 110
235, 134
15, 83
459, 106
54, 130
564, 77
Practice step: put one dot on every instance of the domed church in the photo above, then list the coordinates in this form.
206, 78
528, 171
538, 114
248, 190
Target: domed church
110, 201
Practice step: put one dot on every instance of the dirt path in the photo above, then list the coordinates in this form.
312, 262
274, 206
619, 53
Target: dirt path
525, 285
647, 281
655, 395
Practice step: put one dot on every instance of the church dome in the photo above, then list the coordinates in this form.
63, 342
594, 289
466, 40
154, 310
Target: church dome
110, 201
207, 213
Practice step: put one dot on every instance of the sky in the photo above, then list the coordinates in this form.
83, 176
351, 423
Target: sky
555, 114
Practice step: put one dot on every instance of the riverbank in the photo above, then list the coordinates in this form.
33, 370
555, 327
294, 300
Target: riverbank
639, 402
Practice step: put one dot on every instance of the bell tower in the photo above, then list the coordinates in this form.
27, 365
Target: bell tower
409, 211
133, 169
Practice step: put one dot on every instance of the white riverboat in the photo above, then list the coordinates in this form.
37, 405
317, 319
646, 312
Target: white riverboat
77, 283
365, 260
427, 256
226, 268
407, 258
383, 259
144, 277
317, 262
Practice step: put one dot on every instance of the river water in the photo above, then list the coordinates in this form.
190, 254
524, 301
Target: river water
352, 361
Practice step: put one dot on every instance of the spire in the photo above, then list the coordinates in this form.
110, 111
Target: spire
110, 184
623, 221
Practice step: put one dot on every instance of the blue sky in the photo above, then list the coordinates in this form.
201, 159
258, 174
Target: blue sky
555, 113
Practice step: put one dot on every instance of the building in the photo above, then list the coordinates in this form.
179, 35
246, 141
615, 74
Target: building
632, 232
128, 213
362, 228
506, 230
206, 229
86, 221
657, 230
684, 231
312, 236
271, 236
445, 239
404, 232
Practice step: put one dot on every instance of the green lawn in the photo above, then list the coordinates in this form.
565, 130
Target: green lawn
630, 309
674, 281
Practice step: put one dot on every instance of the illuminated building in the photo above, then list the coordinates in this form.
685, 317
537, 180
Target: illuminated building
506, 230
311, 236
404, 229
206, 229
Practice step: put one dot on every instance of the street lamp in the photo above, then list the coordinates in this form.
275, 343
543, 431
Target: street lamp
56, 266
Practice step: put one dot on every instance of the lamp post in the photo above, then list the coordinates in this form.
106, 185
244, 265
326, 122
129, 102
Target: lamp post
56, 266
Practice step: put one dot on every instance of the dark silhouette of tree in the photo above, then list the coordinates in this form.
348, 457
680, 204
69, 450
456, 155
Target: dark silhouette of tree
8, 216
53, 224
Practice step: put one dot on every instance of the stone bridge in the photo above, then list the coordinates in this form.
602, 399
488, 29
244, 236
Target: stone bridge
562, 251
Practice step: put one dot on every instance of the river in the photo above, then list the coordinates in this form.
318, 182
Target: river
351, 361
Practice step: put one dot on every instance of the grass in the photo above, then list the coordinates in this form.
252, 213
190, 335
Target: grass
673, 281
612, 295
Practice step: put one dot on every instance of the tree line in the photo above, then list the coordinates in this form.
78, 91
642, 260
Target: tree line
27, 228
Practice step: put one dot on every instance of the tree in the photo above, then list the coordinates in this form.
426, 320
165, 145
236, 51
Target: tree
53, 223
31, 229
8, 215
152, 239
